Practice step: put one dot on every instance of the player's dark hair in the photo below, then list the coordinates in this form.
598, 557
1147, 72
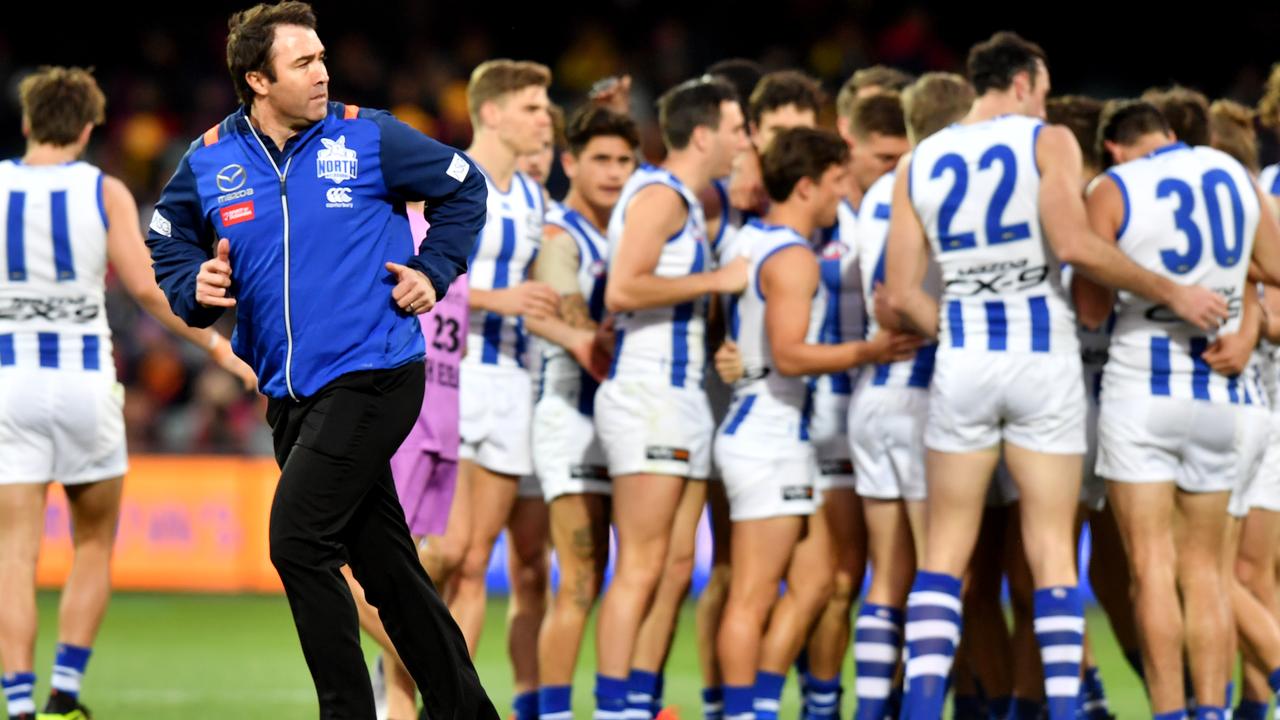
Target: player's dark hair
1081, 115
592, 121
1125, 121
782, 88
741, 73
797, 153
994, 62
880, 114
692, 104
1186, 110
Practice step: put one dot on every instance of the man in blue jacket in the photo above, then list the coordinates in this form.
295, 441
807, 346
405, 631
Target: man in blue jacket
292, 211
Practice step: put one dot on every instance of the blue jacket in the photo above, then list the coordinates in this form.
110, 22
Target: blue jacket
309, 241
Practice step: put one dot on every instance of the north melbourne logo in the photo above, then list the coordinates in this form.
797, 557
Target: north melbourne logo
336, 161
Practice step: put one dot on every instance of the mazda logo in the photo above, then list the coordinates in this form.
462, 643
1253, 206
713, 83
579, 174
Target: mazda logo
231, 178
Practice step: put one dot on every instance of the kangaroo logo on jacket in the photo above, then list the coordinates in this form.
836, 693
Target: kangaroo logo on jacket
336, 161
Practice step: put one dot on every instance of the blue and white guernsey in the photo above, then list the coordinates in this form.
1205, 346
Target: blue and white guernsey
664, 343
562, 374
500, 259
838, 311
1190, 215
762, 386
53, 259
871, 239
976, 189
1269, 179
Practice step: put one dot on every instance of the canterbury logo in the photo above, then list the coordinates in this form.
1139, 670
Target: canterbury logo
338, 195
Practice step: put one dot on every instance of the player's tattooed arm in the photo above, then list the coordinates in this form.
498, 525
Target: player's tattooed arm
901, 302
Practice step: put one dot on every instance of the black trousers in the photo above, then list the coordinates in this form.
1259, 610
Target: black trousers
336, 504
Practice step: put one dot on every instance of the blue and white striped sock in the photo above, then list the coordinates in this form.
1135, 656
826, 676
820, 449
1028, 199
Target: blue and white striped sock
932, 633
877, 645
525, 705
1250, 710
1093, 696
739, 702
555, 702
1210, 712
18, 688
641, 687
69, 663
768, 695
1059, 624
713, 703
611, 698
822, 698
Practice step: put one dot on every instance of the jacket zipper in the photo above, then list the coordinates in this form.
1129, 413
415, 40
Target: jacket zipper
284, 206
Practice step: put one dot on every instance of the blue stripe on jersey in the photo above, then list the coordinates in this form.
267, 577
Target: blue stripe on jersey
1124, 195
6, 350
922, 367
48, 349
997, 325
1275, 184
501, 279
102, 204
735, 319
91, 359
877, 275
521, 341
955, 321
587, 386
1200, 375
680, 318
14, 231
1160, 366
1039, 324
1035, 140
528, 196
743, 408
806, 414
829, 333
881, 377
724, 215
62, 261
617, 351
1233, 392
881, 211
1248, 398
841, 383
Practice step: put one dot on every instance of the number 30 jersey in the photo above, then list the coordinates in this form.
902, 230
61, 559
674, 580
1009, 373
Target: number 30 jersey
1190, 215
976, 189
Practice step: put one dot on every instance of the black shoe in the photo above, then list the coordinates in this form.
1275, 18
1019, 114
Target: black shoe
64, 707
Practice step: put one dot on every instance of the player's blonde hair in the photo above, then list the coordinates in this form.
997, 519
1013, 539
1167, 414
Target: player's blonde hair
58, 102
1231, 131
933, 102
493, 79
1269, 105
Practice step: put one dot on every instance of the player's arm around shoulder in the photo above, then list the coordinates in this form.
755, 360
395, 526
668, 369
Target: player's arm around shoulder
902, 303
1266, 242
654, 215
129, 256
1107, 212
556, 267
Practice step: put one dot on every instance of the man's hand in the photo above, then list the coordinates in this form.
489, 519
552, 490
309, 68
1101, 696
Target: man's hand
1229, 354
214, 280
731, 278
1200, 306
531, 298
613, 94
728, 362
890, 346
413, 292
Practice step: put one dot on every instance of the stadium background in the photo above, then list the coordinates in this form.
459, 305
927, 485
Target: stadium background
194, 517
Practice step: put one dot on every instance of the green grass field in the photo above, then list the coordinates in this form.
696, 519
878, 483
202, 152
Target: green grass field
206, 656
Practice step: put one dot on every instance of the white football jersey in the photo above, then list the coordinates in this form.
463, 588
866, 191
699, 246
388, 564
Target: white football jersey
665, 342
559, 369
1269, 179
838, 311
1190, 215
871, 239
53, 262
976, 189
500, 259
760, 241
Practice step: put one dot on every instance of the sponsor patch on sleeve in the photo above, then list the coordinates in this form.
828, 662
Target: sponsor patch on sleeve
458, 168
161, 225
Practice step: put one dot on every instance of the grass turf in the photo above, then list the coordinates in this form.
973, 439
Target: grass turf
236, 656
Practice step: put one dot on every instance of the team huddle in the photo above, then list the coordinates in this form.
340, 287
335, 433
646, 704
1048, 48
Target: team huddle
947, 290
922, 349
